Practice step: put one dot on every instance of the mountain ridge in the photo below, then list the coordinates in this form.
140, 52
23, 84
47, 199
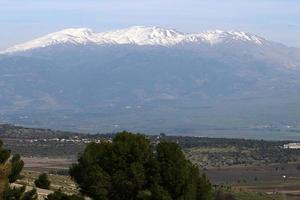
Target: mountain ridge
136, 35
226, 83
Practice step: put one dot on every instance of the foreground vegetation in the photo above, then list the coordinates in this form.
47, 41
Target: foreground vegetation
131, 168
134, 166
10, 168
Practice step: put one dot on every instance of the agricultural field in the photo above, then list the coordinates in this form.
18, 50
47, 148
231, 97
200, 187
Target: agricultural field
278, 179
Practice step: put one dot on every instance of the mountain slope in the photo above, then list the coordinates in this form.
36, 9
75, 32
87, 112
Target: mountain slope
149, 79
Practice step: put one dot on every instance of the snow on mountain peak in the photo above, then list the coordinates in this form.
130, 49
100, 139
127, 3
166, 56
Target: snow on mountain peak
137, 35
142, 35
72, 36
221, 36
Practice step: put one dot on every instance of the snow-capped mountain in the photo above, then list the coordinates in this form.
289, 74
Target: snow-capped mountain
149, 79
137, 35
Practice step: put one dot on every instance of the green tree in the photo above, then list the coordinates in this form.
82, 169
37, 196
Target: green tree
16, 167
10, 168
42, 181
130, 168
177, 173
204, 188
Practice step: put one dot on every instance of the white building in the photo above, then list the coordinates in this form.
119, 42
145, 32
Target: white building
291, 146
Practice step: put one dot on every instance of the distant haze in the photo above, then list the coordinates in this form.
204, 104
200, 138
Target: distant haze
272, 19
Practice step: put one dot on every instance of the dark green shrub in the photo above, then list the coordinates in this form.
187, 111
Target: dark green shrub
42, 181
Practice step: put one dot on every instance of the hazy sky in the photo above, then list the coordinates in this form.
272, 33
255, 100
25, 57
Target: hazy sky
278, 20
